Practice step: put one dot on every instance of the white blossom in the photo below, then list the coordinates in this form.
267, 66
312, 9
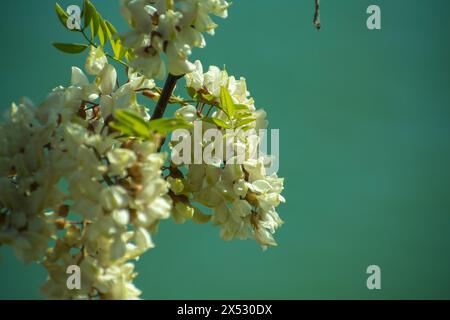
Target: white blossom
96, 61
170, 27
242, 197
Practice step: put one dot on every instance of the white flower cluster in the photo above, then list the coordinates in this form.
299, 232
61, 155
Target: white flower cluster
75, 191
28, 183
172, 27
113, 186
67, 182
243, 197
105, 86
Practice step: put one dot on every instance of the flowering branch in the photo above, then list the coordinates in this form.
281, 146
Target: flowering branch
119, 189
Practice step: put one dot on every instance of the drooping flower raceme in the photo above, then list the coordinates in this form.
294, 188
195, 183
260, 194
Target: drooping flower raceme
114, 187
83, 180
243, 198
62, 170
28, 183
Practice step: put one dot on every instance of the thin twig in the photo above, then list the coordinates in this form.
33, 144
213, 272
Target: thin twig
316, 19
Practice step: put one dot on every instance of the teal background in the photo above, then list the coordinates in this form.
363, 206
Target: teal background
364, 121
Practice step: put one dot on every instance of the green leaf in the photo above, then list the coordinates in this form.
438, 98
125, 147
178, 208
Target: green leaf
111, 28
132, 122
95, 25
118, 49
227, 102
102, 37
167, 125
116, 43
70, 47
114, 39
106, 30
245, 121
128, 55
218, 122
62, 15
102, 30
125, 129
124, 52
241, 107
240, 114
221, 123
89, 12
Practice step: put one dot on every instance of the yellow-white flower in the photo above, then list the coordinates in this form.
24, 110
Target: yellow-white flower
96, 61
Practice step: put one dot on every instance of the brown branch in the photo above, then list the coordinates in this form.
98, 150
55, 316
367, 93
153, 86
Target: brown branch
316, 19
164, 99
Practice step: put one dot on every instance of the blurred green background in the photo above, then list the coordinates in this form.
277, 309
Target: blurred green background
364, 121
